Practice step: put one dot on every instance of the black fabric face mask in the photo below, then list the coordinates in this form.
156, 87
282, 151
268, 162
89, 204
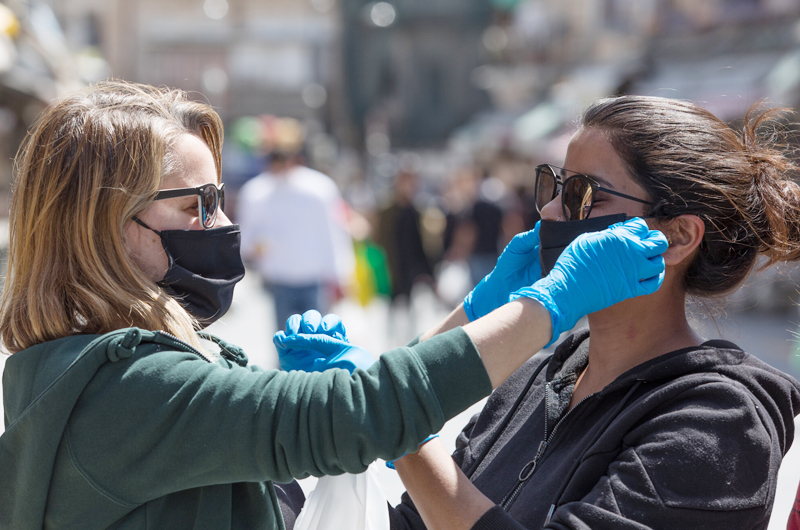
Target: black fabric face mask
204, 267
555, 236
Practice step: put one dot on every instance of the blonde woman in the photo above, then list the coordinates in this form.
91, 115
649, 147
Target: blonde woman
119, 414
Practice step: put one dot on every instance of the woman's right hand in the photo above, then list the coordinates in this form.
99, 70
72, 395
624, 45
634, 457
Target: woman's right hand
312, 343
598, 270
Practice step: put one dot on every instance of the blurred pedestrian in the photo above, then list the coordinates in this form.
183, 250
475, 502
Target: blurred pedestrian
486, 216
399, 234
295, 233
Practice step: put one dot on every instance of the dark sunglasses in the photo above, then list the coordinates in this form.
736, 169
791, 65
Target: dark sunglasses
210, 199
577, 192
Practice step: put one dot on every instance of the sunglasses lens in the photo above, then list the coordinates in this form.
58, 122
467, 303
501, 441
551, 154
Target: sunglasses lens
210, 203
545, 189
577, 196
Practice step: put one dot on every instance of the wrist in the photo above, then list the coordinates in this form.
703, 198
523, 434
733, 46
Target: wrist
468, 309
390, 463
542, 297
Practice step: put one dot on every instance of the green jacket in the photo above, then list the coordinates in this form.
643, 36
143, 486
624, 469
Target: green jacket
135, 429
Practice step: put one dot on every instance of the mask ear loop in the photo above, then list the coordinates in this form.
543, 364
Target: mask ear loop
141, 223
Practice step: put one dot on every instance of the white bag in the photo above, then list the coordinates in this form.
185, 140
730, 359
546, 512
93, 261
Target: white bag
351, 502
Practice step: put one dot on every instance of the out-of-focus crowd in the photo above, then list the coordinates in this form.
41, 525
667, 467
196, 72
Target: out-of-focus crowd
313, 242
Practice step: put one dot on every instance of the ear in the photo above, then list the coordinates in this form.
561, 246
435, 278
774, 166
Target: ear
684, 233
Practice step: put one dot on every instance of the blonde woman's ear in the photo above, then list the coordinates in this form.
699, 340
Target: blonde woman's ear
684, 234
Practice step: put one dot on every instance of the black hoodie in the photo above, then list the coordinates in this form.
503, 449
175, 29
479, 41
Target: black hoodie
690, 439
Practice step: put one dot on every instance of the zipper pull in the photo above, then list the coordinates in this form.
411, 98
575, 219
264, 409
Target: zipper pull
549, 513
530, 467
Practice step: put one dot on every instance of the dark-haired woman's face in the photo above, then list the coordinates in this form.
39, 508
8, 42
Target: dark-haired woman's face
590, 153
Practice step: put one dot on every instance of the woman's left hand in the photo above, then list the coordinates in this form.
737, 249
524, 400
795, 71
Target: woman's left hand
517, 267
312, 343
598, 270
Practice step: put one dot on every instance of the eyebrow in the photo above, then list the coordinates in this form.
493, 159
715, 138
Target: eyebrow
603, 182
600, 180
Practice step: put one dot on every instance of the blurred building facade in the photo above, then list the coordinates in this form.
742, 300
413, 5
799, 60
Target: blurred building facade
408, 67
549, 59
247, 57
36, 66
382, 77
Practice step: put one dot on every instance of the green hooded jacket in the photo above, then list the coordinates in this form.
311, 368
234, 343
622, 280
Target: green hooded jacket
137, 430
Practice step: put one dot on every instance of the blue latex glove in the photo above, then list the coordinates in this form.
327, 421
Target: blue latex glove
598, 270
517, 267
315, 344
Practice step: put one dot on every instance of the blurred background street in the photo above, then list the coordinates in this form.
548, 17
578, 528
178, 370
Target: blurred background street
422, 122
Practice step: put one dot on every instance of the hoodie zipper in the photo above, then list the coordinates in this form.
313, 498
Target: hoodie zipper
528, 469
182, 343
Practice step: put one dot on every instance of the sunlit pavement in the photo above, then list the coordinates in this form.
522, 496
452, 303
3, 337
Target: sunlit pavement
249, 324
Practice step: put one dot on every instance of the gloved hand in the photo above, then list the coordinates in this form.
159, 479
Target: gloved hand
314, 344
598, 270
517, 267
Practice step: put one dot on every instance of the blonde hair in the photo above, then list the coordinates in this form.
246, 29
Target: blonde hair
90, 163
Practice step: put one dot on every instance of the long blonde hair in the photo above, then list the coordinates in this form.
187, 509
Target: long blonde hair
90, 163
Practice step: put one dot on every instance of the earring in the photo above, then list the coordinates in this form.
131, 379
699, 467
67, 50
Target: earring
669, 240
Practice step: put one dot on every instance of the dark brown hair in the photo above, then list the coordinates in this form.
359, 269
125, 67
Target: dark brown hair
740, 183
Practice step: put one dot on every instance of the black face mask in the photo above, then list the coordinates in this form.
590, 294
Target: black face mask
204, 266
555, 236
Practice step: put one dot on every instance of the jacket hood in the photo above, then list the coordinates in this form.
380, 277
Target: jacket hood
777, 392
47, 381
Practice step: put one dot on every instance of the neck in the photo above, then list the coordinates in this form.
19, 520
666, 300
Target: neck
635, 331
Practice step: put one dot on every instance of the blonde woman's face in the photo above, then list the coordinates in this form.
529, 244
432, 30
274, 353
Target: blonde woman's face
194, 167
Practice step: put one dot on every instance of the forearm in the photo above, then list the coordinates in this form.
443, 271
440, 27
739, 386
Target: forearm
506, 337
458, 317
509, 336
443, 495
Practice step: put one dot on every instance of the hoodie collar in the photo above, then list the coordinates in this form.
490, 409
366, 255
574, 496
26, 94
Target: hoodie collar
572, 356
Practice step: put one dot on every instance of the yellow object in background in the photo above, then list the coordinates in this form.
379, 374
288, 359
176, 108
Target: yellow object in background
371, 272
9, 24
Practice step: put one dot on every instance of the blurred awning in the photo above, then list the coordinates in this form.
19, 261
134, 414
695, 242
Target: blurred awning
725, 86
540, 131
34, 56
724, 70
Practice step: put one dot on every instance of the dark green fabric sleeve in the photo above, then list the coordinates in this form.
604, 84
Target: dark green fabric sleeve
162, 422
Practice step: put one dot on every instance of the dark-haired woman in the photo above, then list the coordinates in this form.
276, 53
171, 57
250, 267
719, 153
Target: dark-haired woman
637, 422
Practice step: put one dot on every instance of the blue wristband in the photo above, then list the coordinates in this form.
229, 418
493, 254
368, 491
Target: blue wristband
390, 463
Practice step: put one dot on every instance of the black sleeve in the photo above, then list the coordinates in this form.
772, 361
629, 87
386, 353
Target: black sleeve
406, 517
497, 519
291, 500
462, 441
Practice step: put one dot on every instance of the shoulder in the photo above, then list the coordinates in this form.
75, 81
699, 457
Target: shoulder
257, 186
315, 182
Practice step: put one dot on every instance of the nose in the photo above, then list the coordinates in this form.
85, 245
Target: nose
552, 210
222, 219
